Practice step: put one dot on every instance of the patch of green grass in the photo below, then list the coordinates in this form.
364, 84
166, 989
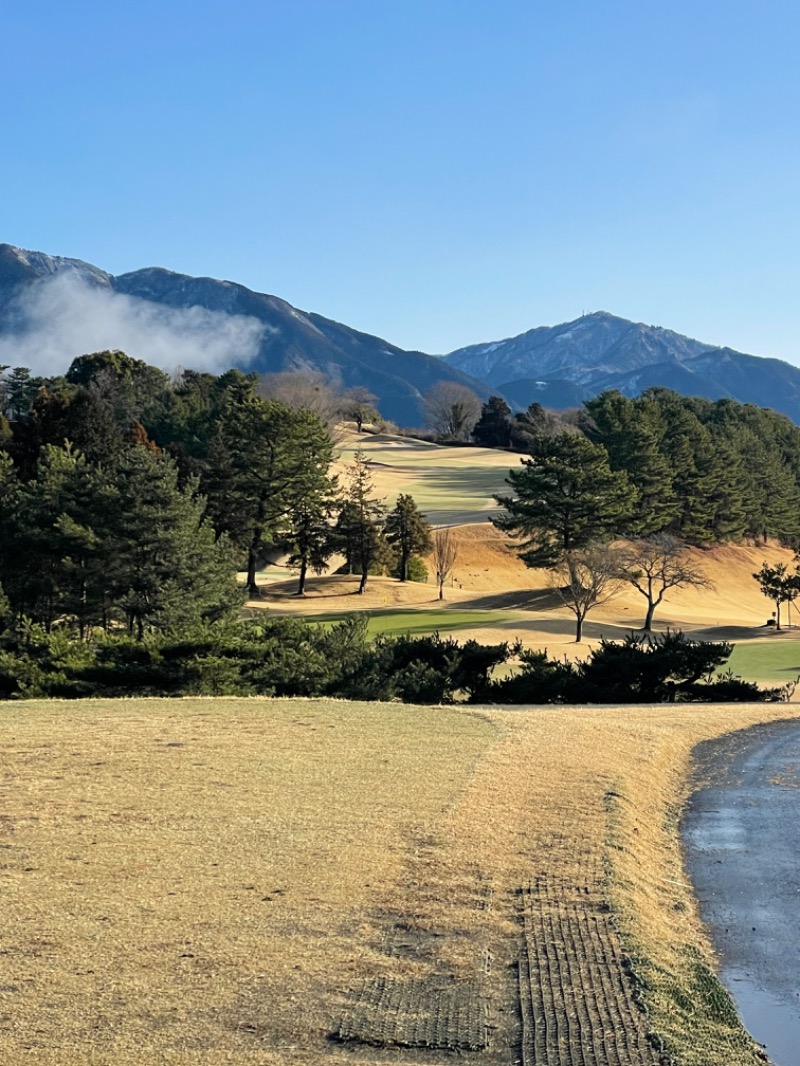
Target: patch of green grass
776, 658
451, 485
420, 623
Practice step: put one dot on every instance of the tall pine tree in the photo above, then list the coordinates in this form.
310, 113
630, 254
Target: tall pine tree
566, 497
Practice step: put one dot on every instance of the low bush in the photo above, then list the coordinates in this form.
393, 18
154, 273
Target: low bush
287, 657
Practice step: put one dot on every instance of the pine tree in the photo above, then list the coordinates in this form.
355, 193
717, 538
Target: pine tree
566, 497
407, 531
58, 541
308, 535
265, 460
629, 431
365, 513
169, 570
493, 428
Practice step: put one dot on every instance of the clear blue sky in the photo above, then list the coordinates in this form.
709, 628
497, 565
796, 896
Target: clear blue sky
439, 173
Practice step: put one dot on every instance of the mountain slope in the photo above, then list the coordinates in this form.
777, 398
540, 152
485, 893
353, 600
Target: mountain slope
600, 351
53, 302
287, 339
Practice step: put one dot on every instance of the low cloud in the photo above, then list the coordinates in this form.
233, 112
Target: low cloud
61, 317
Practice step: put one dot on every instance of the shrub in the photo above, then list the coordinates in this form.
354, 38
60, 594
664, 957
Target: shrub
417, 570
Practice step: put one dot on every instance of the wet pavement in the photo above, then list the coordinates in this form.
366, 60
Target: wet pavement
741, 837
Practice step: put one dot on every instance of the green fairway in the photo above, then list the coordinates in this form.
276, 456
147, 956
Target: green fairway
451, 485
776, 658
419, 623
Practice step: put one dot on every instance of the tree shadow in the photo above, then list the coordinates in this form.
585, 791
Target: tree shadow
520, 599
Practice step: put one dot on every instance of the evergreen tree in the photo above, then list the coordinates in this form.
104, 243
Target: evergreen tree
20, 387
169, 570
14, 560
566, 497
408, 532
778, 585
74, 416
628, 430
58, 542
130, 389
364, 517
265, 461
537, 421
493, 428
308, 536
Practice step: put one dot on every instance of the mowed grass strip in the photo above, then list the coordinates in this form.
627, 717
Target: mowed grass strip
774, 658
421, 622
451, 485
219, 881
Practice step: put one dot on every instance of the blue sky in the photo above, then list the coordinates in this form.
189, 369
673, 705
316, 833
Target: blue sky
438, 173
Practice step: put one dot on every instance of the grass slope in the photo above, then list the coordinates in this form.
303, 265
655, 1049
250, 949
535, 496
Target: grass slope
451, 485
227, 881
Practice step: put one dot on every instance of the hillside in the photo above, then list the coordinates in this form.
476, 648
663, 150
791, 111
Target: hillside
451, 485
257, 332
563, 365
54, 308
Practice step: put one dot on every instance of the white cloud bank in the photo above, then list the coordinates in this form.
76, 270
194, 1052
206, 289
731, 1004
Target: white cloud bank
62, 317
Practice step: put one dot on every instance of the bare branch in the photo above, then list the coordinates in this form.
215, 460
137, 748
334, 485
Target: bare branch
657, 564
445, 554
587, 578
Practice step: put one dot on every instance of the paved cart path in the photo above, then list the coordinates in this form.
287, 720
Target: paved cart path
742, 840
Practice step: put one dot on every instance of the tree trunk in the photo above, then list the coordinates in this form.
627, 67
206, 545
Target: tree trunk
252, 587
441, 589
648, 622
363, 585
301, 585
579, 629
404, 566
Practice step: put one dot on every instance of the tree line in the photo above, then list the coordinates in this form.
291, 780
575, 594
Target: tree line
660, 473
131, 499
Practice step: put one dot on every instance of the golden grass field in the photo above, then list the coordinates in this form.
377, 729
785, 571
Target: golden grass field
237, 881
452, 485
306, 881
455, 486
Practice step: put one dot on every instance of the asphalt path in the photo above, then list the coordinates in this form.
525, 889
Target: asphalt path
741, 837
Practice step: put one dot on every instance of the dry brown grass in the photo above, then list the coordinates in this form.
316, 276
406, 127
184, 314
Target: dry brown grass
489, 575
451, 485
200, 881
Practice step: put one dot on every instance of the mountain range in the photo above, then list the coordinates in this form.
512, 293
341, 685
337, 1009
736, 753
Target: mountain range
58, 305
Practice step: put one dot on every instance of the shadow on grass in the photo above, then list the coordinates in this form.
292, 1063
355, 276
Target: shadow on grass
521, 600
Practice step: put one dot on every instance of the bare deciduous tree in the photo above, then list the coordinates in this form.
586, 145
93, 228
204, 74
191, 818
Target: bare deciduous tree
451, 410
586, 578
657, 564
307, 390
445, 554
359, 406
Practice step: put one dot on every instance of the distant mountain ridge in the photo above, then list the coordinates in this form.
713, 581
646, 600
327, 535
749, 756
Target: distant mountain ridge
571, 362
558, 366
291, 339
